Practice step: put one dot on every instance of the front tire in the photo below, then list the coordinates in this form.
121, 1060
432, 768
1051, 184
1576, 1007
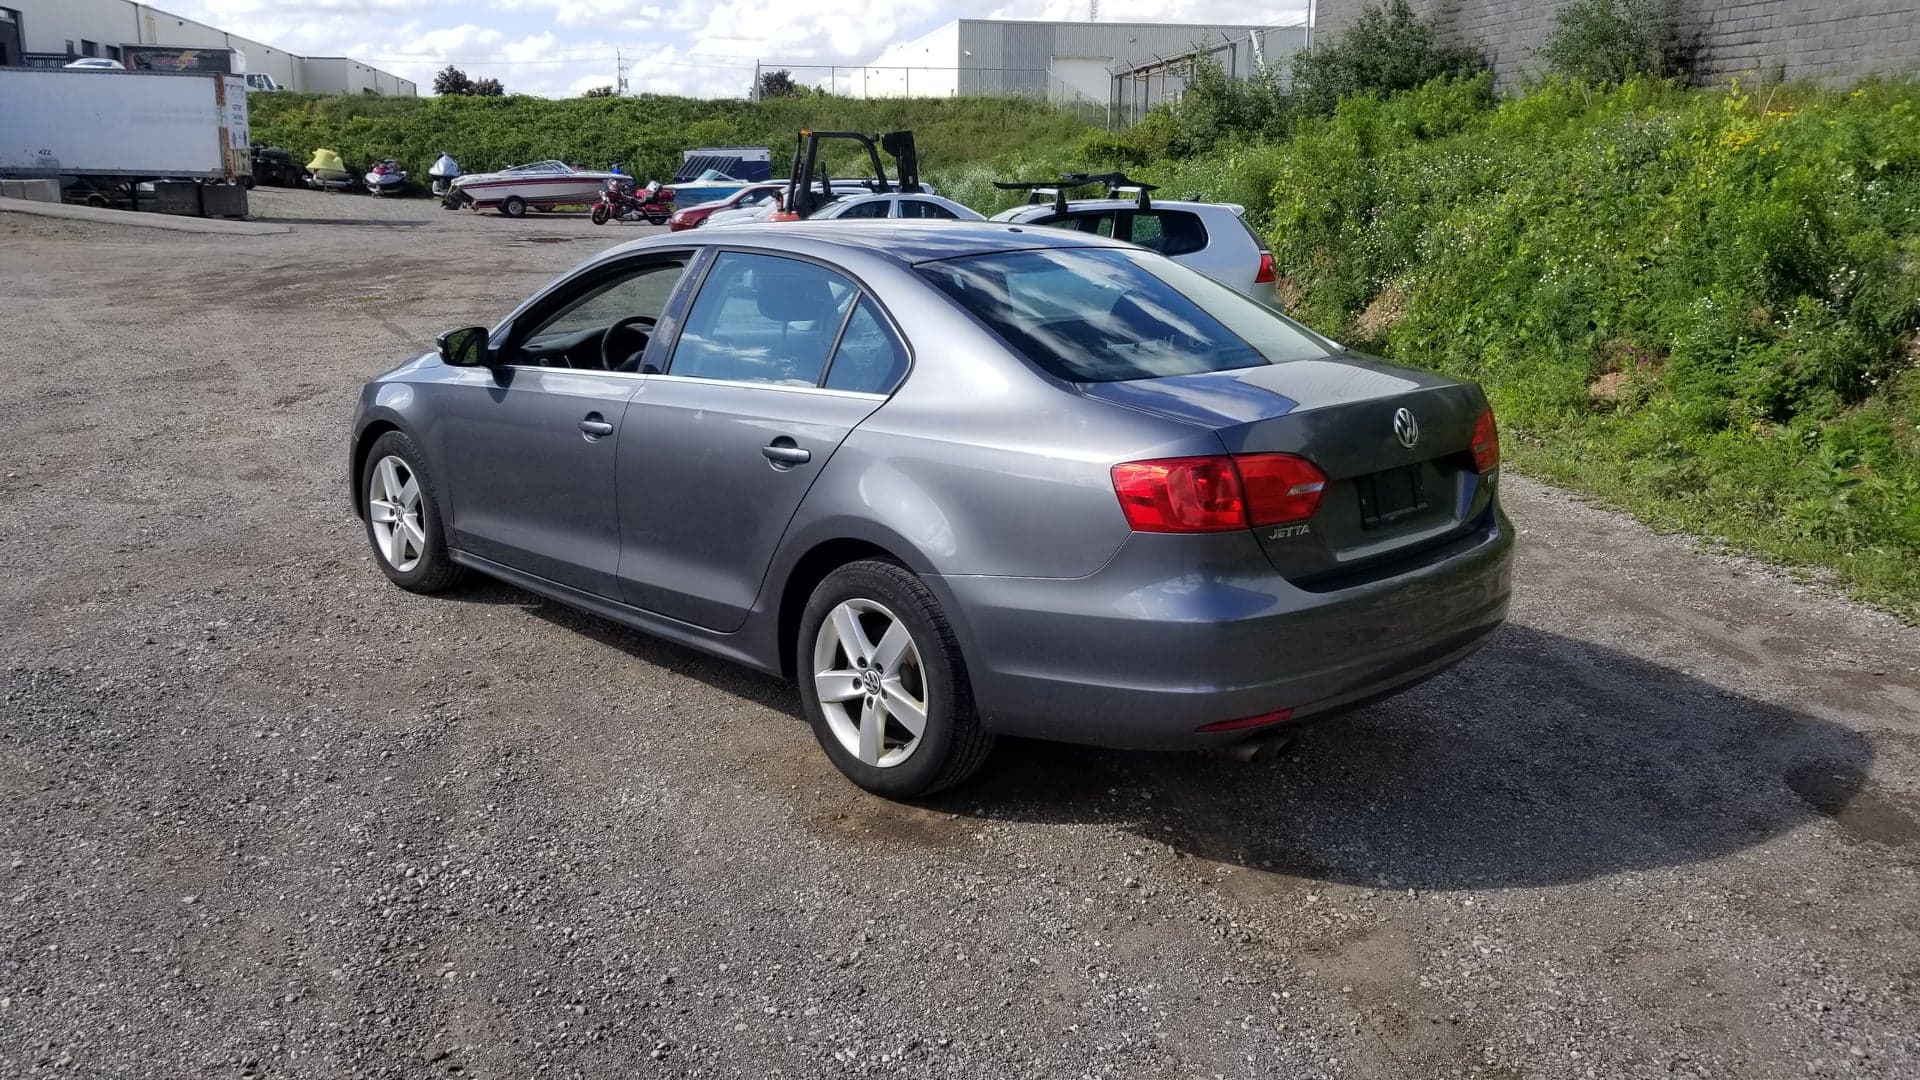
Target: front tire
402, 513
599, 215
515, 206
884, 684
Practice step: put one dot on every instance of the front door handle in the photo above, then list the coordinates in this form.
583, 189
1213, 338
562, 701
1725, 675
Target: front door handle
783, 451
595, 426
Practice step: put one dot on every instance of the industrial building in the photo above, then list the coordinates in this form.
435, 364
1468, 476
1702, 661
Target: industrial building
54, 32
1069, 62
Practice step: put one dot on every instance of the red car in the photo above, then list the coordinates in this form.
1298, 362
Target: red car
690, 217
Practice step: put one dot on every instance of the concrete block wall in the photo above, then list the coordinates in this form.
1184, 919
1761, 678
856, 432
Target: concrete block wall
1831, 41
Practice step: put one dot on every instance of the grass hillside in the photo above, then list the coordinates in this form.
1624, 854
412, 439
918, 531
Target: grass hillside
643, 134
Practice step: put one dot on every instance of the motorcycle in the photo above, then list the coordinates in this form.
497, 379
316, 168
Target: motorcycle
444, 170
386, 178
620, 202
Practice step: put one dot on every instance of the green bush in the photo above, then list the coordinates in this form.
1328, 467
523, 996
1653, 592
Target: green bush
1386, 49
1611, 41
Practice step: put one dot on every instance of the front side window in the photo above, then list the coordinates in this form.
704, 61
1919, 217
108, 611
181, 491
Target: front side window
763, 319
575, 333
1112, 314
875, 209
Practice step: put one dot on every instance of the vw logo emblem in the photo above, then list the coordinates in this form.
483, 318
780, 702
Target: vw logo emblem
1406, 428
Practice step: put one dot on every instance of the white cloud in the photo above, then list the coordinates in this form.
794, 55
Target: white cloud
696, 47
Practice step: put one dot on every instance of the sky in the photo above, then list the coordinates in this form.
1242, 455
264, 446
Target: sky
701, 48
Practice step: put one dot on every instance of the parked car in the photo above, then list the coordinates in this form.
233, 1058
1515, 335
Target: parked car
95, 63
1213, 238
750, 198
957, 479
895, 204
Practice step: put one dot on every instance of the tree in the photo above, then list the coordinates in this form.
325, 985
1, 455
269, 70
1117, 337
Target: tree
452, 81
778, 84
488, 88
1387, 49
599, 91
1610, 41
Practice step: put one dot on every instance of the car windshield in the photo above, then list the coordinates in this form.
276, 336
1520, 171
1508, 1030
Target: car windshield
1111, 314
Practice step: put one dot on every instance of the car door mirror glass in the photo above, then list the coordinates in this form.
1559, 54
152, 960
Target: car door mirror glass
465, 347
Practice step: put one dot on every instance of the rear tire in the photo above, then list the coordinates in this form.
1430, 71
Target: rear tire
873, 700
514, 207
398, 500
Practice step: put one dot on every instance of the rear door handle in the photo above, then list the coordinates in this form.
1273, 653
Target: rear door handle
783, 451
595, 426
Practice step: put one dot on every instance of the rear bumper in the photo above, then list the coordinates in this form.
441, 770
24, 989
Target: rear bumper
1177, 632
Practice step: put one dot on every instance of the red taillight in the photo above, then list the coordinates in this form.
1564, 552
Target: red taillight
1486, 443
1217, 493
1248, 721
1181, 495
1267, 274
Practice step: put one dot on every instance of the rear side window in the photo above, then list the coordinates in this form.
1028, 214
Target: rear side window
763, 319
1169, 232
1114, 314
1099, 223
921, 208
870, 359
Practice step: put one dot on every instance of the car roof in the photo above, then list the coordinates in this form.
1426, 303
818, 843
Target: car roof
1104, 205
910, 242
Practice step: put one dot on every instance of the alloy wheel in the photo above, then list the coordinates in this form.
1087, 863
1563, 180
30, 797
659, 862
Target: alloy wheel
870, 682
394, 513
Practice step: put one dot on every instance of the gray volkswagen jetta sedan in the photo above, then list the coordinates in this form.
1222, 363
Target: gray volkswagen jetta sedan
957, 480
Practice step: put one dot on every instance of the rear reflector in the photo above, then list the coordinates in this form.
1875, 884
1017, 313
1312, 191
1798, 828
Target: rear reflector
1218, 493
1266, 276
1486, 442
1247, 721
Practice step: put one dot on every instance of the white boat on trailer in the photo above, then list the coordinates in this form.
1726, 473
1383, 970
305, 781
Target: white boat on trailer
542, 184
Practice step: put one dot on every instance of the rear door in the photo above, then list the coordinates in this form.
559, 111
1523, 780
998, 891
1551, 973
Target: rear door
777, 360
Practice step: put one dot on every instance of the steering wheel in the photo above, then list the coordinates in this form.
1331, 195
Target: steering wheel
627, 324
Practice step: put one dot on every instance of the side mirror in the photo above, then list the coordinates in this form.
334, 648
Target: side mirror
466, 347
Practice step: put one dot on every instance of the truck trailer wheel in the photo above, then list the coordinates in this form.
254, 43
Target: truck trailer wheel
515, 206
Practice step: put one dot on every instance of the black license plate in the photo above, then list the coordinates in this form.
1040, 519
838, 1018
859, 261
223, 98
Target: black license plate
1386, 497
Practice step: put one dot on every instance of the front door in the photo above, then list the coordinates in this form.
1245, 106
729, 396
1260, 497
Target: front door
777, 361
534, 439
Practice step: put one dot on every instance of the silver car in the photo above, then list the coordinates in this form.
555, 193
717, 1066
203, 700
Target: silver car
957, 480
896, 204
1213, 238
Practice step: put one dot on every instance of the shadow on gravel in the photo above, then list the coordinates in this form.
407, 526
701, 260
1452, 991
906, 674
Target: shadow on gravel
1542, 761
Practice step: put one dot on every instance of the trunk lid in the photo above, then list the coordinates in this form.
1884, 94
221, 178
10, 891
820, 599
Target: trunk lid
1386, 504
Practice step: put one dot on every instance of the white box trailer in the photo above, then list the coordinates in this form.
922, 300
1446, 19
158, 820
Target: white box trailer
110, 130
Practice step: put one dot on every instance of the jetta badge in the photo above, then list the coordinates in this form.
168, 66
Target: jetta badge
1406, 428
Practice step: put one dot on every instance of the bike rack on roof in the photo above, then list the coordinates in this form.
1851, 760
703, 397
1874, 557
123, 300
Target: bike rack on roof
1114, 181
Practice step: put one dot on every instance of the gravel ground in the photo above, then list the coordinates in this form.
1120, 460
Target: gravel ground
268, 816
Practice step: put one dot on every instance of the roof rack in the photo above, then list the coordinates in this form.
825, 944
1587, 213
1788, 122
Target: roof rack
1115, 183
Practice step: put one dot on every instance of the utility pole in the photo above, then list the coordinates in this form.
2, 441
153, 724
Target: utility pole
754, 94
1093, 10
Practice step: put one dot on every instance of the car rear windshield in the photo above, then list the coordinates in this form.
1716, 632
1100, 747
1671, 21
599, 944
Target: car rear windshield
1109, 314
